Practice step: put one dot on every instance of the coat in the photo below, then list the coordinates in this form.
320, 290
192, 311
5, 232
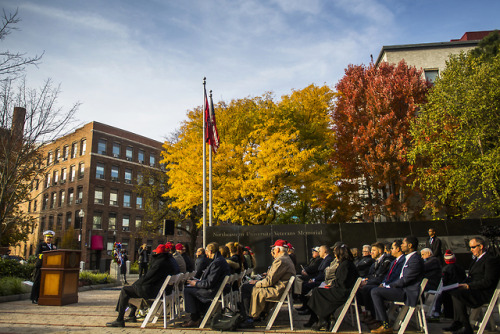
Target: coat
483, 278
325, 263
436, 247
324, 302
413, 273
396, 270
433, 272
200, 265
123, 266
312, 268
189, 262
364, 265
379, 270
180, 262
273, 285
161, 266
212, 278
330, 271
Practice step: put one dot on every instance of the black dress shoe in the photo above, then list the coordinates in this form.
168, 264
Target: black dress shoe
455, 326
116, 323
309, 324
191, 323
320, 324
464, 330
131, 319
302, 308
305, 312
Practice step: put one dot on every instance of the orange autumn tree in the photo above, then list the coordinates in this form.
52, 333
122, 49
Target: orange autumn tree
272, 159
372, 118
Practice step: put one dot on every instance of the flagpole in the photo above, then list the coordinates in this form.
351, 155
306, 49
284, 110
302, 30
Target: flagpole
205, 104
210, 177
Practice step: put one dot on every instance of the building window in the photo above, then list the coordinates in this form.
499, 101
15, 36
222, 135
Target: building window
37, 183
126, 199
140, 156
29, 206
128, 176
51, 223
140, 178
98, 198
56, 177
115, 171
110, 246
59, 222
97, 221
129, 153
47, 180
53, 200
45, 201
113, 197
63, 175
152, 160
81, 170
79, 195
42, 224
431, 75
50, 158
74, 149
83, 146
61, 198
112, 221
99, 171
116, 150
72, 173
138, 223
126, 223
65, 153
68, 220
34, 205
179, 231
58, 155
70, 196
101, 146
139, 202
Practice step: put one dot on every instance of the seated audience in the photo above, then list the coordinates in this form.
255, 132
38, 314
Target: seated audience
325, 301
186, 257
198, 294
365, 262
162, 264
178, 257
201, 262
432, 269
312, 268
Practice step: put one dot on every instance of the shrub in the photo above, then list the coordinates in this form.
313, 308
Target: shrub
90, 278
134, 268
13, 268
12, 286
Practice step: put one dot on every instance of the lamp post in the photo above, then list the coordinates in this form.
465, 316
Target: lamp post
81, 214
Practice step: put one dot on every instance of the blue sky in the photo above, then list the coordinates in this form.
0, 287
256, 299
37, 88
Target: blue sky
139, 65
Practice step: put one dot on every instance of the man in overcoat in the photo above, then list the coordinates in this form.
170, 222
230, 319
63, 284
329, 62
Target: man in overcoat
273, 285
478, 287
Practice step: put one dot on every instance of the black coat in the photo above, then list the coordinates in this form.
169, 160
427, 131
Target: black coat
453, 273
161, 266
212, 278
42, 247
189, 262
433, 272
123, 267
413, 273
201, 264
378, 270
312, 268
143, 255
324, 302
325, 263
436, 247
483, 278
364, 265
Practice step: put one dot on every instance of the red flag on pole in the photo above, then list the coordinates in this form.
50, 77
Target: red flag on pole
211, 133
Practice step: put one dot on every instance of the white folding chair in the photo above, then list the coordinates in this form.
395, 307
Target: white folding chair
160, 298
489, 310
214, 303
435, 293
286, 297
351, 301
406, 313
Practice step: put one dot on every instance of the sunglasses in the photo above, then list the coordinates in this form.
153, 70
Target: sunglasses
473, 247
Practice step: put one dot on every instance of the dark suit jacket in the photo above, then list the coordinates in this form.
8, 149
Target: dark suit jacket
413, 273
396, 271
161, 266
379, 270
364, 265
201, 264
433, 272
483, 278
312, 268
212, 278
435, 247
189, 262
42, 247
321, 269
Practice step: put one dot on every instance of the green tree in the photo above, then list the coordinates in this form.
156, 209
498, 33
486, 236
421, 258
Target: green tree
456, 139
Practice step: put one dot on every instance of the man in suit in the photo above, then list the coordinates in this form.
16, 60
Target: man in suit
198, 294
404, 289
201, 262
162, 265
366, 261
255, 293
143, 260
478, 287
435, 245
45, 245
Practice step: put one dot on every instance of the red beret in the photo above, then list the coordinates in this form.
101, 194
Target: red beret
179, 246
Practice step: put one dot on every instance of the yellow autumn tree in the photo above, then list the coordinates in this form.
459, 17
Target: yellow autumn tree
272, 161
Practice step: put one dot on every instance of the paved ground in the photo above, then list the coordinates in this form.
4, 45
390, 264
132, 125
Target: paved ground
96, 307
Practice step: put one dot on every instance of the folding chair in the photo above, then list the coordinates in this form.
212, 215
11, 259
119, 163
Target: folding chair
351, 301
407, 313
287, 294
489, 310
214, 303
160, 298
436, 293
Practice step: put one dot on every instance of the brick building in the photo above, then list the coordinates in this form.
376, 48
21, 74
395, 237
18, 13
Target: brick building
89, 191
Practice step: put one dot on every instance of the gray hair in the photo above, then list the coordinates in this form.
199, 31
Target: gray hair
426, 250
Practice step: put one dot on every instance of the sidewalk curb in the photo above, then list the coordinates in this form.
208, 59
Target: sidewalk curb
24, 296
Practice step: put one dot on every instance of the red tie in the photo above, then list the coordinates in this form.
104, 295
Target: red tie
390, 271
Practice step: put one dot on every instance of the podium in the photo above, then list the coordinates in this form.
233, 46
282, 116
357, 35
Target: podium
60, 273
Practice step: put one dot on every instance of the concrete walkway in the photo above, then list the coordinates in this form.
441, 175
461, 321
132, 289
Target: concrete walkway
96, 307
